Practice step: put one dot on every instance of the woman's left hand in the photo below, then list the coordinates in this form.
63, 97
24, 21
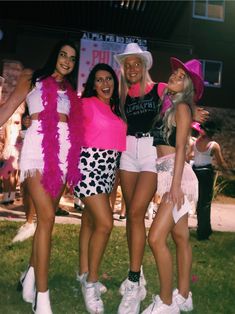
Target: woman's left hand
175, 196
200, 114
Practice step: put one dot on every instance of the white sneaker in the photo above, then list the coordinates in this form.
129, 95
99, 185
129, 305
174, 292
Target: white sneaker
133, 295
42, 303
26, 231
158, 307
82, 278
93, 301
185, 305
141, 283
27, 285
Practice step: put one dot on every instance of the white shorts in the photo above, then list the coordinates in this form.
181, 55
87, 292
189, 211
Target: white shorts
140, 155
189, 184
31, 158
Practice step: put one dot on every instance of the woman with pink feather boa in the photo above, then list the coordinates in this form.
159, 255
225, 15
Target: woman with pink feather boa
49, 157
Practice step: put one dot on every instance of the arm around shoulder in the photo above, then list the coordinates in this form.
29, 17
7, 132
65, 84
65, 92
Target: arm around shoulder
200, 114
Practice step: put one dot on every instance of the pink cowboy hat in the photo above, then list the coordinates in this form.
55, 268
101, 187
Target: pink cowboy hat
196, 126
194, 69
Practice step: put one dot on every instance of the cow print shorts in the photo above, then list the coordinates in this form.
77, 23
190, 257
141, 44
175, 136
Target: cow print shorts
98, 168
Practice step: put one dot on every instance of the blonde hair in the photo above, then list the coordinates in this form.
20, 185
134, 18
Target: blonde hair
186, 96
125, 85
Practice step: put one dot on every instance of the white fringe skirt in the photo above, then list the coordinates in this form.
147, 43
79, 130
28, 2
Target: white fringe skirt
31, 157
189, 184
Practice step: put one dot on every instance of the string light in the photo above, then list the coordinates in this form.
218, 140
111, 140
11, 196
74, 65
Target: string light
137, 5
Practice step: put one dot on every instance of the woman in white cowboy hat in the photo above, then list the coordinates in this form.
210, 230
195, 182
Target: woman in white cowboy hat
139, 105
177, 186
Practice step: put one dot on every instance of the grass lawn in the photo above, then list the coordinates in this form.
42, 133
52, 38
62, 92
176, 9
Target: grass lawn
213, 272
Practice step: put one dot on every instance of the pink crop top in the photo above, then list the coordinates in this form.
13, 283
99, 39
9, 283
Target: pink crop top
34, 101
101, 128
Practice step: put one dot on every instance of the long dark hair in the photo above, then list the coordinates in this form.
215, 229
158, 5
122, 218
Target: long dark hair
49, 67
89, 90
212, 126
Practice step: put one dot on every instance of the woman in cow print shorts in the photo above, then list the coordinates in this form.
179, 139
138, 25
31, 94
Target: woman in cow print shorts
103, 136
98, 168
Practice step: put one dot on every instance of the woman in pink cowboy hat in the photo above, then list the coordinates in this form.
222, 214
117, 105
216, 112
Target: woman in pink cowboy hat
140, 105
177, 185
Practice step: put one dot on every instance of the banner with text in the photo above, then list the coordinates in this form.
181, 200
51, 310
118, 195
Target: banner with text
98, 48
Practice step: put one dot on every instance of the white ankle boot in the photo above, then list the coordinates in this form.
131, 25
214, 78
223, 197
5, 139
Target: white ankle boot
27, 283
42, 303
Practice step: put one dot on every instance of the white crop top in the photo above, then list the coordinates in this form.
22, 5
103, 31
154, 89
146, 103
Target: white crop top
203, 158
34, 101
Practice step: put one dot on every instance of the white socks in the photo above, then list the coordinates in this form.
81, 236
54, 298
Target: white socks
42, 303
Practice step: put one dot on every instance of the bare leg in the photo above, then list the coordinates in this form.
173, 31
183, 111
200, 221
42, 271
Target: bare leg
100, 211
45, 210
28, 204
113, 194
13, 181
160, 228
84, 239
128, 182
123, 207
138, 190
9, 185
180, 235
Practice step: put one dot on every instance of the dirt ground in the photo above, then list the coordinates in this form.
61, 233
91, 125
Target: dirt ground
222, 213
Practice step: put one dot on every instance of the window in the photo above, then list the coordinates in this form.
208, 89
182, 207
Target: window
212, 71
209, 10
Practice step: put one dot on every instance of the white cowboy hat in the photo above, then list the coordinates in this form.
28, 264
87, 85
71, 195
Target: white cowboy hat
134, 49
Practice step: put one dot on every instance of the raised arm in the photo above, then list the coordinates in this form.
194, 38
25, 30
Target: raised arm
17, 96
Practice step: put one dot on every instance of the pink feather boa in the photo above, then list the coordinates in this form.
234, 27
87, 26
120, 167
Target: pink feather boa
52, 178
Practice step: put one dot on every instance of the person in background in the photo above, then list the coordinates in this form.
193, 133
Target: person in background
11, 152
152, 208
104, 138
205, 150
49, 156
27, 230
177, 186
78, 205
